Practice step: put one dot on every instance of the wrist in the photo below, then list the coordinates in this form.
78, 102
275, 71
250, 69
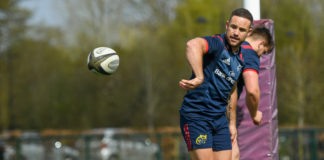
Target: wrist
200, 78
253, 114
232, 125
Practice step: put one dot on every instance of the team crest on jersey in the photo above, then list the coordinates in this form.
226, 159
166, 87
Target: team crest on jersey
239, 67
201, 139
227, 61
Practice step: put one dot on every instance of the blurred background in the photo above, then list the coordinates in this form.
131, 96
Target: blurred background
47, 89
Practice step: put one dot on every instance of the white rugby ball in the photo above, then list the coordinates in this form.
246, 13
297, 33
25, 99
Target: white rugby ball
103, 60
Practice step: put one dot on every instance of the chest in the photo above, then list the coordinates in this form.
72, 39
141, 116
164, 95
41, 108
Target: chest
228, 66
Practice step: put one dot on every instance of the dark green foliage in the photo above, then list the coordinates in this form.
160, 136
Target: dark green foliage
45, 82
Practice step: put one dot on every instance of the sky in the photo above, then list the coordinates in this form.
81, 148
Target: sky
44, 11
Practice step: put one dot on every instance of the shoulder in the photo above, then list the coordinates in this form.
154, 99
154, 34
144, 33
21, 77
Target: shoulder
248, 51
215, 37
214, 43
251, 58
245, 46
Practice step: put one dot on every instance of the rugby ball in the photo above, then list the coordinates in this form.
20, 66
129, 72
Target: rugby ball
103, 61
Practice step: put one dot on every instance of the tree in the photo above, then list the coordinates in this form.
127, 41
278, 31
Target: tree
12, 20
45, 82
298, 59
149, 35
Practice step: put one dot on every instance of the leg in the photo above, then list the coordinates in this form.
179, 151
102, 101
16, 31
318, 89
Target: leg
222, 144
235, 151
202, 154
198, 137
223, 155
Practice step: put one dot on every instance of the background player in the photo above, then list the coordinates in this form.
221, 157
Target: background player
257, 43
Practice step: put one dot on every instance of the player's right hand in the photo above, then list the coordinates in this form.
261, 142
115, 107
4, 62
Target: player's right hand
233, 132
190, 84
257, 118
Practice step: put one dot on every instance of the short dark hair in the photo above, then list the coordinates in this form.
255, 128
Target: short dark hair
262, 31
242, 12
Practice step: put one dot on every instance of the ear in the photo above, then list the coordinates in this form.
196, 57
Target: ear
250, 31
258, 43
261, 42
260, 47
227, 24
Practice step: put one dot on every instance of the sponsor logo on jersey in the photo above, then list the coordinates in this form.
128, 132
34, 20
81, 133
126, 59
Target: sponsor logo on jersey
223, 75
220, 73
230, 79
227, 61
201, 139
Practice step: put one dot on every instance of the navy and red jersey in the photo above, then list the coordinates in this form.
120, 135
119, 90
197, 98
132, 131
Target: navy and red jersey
251, 58
222, 69
251, 61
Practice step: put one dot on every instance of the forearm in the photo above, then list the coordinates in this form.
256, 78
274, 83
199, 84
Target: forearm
252, 99
232, 101
252, 102
232, 115
232, 104
194, 53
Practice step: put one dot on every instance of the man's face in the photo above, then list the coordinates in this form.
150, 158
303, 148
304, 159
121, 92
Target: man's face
237, 30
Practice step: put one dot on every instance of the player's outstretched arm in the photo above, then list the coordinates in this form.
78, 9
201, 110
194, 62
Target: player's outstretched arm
194, 53
251, 81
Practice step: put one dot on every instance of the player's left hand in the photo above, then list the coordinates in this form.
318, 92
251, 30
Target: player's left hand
190, 84
233, 132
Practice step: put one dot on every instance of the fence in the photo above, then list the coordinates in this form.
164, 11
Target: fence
293, 144
301, 144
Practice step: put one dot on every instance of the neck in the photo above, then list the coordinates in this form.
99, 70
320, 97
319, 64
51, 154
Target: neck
252, 42
235, 49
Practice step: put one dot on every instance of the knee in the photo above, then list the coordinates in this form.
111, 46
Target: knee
235, 154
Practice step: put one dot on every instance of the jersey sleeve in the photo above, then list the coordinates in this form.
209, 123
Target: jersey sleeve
213, 44
251, 60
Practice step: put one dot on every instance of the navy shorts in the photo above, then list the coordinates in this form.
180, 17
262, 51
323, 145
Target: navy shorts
206, 133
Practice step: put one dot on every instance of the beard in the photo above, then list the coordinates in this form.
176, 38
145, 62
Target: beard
234, 42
